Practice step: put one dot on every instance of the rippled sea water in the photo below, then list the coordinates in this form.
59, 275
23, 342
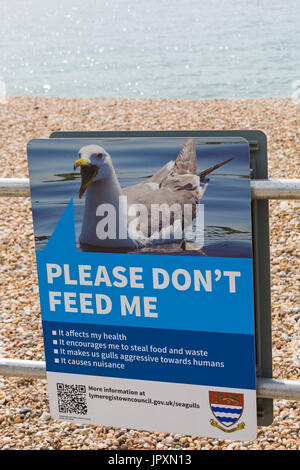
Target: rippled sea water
149, 48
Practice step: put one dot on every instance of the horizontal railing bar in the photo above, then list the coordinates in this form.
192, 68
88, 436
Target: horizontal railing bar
22, 368
280, 389
266, 388
14, 187
260, 189
275, 189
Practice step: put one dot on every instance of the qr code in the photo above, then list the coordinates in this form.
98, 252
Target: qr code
71, 398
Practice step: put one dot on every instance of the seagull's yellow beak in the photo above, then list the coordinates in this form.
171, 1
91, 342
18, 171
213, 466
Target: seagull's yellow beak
80, 162
88, 173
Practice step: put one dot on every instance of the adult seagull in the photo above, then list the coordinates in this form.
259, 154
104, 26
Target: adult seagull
171, 189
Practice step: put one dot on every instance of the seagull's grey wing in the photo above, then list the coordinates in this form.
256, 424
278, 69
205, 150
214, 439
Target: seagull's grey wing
160, 175
186, 162
181, 189
178, 183
169, 202
133, 192
149, 185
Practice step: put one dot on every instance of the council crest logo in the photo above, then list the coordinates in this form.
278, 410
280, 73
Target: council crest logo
227, 408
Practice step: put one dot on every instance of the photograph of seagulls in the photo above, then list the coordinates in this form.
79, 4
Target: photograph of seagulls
149, 195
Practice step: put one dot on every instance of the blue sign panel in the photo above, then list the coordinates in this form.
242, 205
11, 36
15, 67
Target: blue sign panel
144, 258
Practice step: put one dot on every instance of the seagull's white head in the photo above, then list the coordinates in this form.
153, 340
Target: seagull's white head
95, 164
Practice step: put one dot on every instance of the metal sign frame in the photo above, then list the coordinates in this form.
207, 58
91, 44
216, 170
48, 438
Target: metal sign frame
257, 141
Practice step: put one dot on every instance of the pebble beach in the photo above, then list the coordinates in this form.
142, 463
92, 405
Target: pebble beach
25, 421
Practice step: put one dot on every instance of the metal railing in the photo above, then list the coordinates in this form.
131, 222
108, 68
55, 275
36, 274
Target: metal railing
265, 388
260, 189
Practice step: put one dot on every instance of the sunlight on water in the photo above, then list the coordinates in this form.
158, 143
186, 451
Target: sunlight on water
142, 48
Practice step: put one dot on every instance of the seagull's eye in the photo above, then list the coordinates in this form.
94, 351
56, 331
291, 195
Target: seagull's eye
100, 155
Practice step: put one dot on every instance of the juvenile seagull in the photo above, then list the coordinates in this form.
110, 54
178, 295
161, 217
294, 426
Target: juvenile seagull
176, 183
